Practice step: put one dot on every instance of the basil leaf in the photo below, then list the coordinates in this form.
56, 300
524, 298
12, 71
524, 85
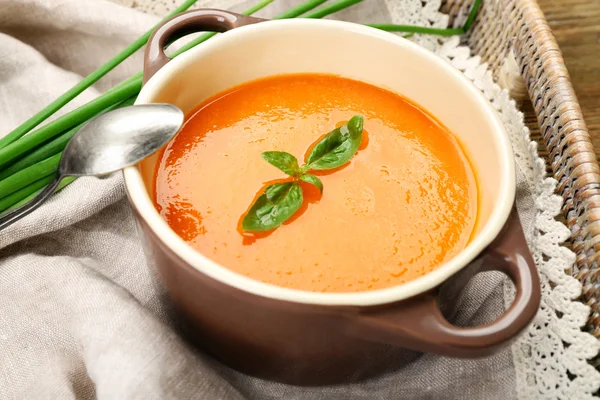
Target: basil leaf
310, 178
282, 160
338, 146
278, 203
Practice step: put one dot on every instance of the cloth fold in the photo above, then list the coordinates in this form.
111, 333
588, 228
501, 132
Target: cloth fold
81, 315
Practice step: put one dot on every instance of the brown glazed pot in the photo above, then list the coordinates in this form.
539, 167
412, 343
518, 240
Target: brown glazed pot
315, 338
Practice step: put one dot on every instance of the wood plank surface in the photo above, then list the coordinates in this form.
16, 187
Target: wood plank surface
576, 25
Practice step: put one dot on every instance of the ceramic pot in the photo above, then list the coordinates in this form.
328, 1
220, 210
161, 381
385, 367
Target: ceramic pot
307, 337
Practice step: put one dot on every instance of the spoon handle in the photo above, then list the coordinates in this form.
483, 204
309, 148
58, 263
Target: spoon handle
13, 216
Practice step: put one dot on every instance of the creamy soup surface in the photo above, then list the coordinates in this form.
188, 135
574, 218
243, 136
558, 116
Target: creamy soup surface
404, 204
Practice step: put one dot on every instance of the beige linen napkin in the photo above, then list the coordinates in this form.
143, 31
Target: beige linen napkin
80, 315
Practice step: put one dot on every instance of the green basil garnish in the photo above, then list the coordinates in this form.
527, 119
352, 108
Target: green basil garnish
280, 201
337, 147
282, 160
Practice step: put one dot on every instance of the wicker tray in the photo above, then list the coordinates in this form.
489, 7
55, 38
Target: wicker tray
517, 28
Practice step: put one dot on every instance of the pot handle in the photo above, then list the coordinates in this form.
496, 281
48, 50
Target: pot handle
420, 325
203, 19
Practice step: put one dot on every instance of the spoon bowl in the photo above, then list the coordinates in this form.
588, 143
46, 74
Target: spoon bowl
120, 138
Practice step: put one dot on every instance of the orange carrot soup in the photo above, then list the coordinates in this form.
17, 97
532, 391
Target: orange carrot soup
403, 204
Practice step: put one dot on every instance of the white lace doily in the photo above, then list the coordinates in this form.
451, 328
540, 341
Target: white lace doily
551, 358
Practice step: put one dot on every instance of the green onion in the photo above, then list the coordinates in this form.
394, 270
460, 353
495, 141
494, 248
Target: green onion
85, 83
22, 196
417, 29
47, 150
300, 9
433, 31
330, 9
66, 181
472, 15
29, 175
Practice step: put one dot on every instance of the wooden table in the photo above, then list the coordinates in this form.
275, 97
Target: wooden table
576, 25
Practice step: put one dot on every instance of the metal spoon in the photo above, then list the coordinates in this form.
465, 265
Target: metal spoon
108, 143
